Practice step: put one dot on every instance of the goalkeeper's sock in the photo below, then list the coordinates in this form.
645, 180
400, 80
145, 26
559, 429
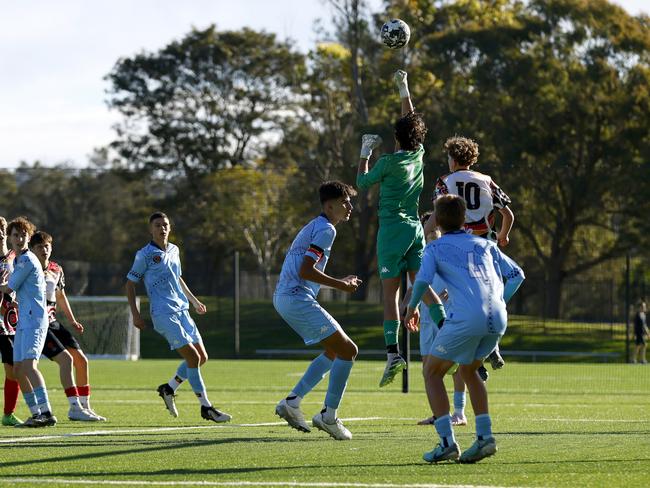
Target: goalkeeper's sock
84, 395
179, 377
317, 369
11, 391
195, 379
390, 333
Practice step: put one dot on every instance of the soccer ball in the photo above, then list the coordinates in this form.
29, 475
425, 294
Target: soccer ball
395, 33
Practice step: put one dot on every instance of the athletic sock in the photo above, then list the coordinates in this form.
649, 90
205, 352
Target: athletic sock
445, 430
84, 395
313, 375
459, 403
179, 377
73, 396
42, 400
12, 389
294, 400
390, 332
195, 379
338, 381
30, 400
329, 414
483, 426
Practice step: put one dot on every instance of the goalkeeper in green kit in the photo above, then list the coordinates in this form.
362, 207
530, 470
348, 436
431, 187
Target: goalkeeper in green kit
400, 240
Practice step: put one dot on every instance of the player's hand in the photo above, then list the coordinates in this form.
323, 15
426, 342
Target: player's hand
78, 326
401, 81
444, 295
139, 323
412, 319
503, 241
351, 283
368, 143
200, 308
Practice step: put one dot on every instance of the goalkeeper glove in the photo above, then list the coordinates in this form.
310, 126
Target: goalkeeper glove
401, 82
437, 312
368, 143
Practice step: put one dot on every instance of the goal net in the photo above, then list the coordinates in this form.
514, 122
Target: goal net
108, 327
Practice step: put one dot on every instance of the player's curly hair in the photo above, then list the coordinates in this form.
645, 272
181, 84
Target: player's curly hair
331, 190
410, 131
462, 150
22, 224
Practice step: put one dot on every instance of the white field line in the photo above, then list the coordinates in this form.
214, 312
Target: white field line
45, 481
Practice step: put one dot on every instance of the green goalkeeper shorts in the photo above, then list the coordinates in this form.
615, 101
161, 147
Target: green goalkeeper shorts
399, 248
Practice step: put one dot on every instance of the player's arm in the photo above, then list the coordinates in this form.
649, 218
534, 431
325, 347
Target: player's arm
198, 306
512, 273
63, 303
507, 220
401, 81
138, 321
12, 281
309, 271
366, 177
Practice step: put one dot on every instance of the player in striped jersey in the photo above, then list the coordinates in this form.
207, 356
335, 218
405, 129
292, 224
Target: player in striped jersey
482, 196
8, 320
303, 273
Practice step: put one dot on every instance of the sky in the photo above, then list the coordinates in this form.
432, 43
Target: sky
54, 55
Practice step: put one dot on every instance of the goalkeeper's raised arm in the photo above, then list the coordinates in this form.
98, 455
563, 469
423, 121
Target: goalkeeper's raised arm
401, 81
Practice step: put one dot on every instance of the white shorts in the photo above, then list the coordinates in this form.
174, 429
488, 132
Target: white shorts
305, 315
178, 328
28, 343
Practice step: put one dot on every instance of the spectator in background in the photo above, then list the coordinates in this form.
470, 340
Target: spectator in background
640, 334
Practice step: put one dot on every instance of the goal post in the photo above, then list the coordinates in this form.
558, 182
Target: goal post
109, 332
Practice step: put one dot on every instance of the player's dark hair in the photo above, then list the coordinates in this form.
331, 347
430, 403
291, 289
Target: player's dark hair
462, 150
157, 215
450, 212
331, 190
40, 237
410, 131
22, 224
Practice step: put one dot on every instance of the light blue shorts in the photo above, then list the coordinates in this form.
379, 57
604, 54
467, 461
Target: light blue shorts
178, 328
28, 343
428, 331
461, 344
306, 317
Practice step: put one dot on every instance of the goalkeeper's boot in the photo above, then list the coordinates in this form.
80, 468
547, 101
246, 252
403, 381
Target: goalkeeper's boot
293, 416
81, 414
496, 360
167, 394
442, 453
483, 373
336, 430
47, 419
211, 413
481, 449
394, 365
458, 419
10, 420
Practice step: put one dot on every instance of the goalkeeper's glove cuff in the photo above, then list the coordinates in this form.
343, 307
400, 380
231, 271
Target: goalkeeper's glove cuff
437, 312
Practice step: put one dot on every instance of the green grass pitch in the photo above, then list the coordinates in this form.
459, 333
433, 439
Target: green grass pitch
557, 425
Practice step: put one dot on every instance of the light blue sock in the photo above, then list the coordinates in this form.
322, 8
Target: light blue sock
198, 387
42, 400
459, 402
483, 426
338, 381
445, 431
179, 377
314, 374
30, 400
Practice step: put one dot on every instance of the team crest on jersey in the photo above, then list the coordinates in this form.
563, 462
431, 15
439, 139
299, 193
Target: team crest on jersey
157, 258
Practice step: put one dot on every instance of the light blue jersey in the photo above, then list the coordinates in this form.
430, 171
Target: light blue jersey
314, 240
161, 272
473, 269
28, 281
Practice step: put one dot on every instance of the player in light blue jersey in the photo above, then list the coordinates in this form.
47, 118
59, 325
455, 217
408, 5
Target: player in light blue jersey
28, 281
473, 269
303, 272
158, 264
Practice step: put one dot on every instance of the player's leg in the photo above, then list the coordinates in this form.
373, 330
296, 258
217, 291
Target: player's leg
495, 358
11, 385
344, 351
427, 335
82, 378
394, 361
312, 323
458, 417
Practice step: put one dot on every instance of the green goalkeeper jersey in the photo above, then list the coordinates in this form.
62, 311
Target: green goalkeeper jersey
400, 177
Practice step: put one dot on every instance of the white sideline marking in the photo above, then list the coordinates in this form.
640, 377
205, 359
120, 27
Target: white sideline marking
635, 421
238, 483
89, 433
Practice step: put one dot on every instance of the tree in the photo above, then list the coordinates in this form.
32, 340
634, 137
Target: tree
209, 101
